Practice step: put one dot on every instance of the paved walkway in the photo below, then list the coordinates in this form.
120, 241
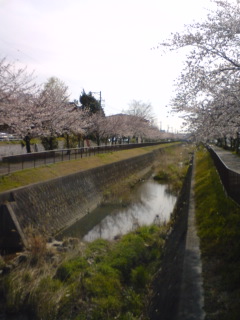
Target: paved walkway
232, 161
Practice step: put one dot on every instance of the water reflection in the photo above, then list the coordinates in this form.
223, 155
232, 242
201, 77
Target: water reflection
152, 204
153, 201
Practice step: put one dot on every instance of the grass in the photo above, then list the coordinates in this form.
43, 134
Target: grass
218, 220
5, 143
173, 167
110, 280
100, 280
44, 173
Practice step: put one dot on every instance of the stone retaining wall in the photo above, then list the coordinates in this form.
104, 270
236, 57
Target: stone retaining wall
54, 205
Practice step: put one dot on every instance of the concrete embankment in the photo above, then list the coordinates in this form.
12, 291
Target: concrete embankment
178, 292
51, 206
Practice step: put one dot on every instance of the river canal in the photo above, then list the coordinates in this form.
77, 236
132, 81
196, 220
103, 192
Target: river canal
151, 204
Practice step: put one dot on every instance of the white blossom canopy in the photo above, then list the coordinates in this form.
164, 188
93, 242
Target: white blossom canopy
208, 89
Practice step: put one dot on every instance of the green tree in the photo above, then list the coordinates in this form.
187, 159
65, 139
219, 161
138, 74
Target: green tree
90, 103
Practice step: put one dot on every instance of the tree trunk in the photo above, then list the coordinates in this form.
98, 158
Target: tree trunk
98, 140
67, 140
237, 143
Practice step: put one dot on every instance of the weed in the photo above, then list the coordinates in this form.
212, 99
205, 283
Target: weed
161, 176
139, 277
106, 280
133, 303
127, 254
45, 299
173, 168
70, 269
37, 247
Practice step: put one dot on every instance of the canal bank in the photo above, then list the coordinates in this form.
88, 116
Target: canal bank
39, 283
51, 206
178, 285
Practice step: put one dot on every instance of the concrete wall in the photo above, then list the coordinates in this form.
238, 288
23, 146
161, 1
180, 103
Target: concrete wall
230, 178
53, 205
11, 149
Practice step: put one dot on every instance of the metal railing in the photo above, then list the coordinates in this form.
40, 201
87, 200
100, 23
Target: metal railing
36, 159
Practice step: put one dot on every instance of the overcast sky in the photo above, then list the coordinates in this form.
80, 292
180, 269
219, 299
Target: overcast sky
101, 45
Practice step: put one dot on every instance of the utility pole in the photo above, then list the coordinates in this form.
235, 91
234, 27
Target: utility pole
100, 97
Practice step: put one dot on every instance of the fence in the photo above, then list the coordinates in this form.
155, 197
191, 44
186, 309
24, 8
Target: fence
230, 178
36, 159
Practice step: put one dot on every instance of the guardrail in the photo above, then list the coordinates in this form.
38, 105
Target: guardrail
36, 159
230, 179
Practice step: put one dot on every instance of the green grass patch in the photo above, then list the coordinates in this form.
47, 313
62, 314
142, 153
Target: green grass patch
173, 167
48, 172
218, 220
102, 280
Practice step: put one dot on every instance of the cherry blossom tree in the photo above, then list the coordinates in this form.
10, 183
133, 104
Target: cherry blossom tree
97, 127
140, 109
45, 111
122, 126
141, 119
29, 110
208, 89
58, 116
17, 97
51, 105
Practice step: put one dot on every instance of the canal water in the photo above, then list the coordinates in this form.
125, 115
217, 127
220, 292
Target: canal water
152, 203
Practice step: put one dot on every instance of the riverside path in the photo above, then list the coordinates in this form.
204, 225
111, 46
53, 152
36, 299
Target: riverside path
231, 161
191, 301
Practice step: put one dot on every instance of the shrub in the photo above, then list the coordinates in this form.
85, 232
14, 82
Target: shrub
70, 141
49, 143
97, 250
161, 176
133, 304
127, 254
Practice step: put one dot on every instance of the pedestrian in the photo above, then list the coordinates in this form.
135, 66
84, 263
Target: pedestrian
27, 141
